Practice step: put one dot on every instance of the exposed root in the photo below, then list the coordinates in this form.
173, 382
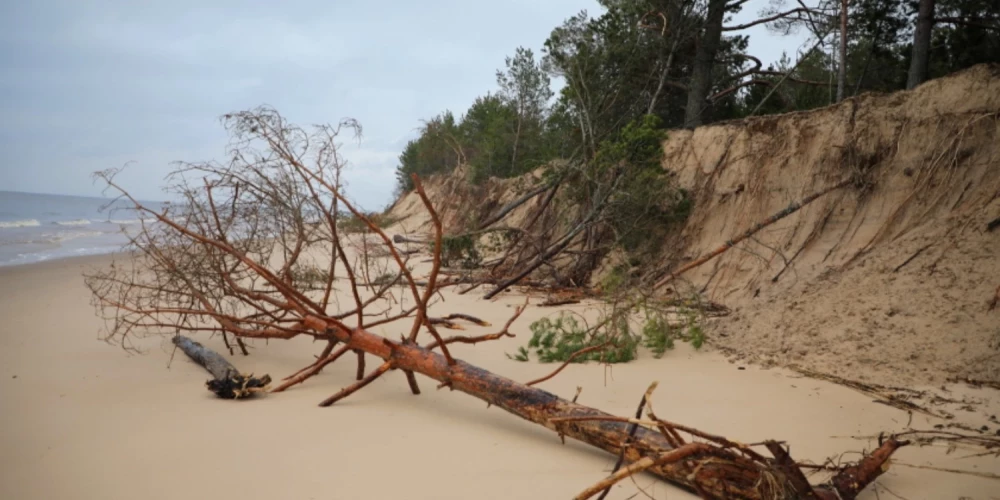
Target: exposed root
897, 397
744, 472
976, 383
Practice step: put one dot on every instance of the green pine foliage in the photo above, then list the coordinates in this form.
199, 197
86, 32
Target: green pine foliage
558, 339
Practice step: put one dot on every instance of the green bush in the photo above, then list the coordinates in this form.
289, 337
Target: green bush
353, 224
556, 340
461, 250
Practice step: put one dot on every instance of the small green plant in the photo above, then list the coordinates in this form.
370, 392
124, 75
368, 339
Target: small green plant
659, 334
558, 340
695, 335
309, 277
460, 249
614, 280
522, 354
498, 240
385, 278
353, 224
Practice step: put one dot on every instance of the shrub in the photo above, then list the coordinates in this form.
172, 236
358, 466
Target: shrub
460, 249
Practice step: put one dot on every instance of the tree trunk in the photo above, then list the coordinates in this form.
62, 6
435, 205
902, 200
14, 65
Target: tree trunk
701, 75
920, 56
842, 64
697, 467
663, 78
517, 139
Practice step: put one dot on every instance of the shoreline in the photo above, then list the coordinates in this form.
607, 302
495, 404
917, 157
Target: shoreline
74, 260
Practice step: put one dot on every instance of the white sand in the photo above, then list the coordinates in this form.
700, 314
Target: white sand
83, 419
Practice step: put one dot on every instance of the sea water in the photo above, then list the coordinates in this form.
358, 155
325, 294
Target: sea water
40, 227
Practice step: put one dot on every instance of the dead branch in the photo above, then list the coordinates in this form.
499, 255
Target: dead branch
448, 321
398, 238
792, 208
911, 257
775, 17
968, 22
975, 382
553, 250
631, 434
558, 302
505, 332
644, 464
361, 383
986, 475
518, 202
309, 371
570, 359
897, 397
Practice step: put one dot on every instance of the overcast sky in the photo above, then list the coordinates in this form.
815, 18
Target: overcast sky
87, 85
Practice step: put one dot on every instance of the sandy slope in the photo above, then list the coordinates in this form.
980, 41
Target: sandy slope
83, 419
885, 280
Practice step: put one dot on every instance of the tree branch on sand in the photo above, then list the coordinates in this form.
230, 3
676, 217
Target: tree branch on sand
253, 251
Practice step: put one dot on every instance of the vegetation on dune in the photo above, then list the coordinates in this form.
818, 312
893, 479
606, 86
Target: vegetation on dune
686, 63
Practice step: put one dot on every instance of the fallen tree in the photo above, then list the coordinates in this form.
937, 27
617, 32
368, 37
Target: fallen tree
239, 258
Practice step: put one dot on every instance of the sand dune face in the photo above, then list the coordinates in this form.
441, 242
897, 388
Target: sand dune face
885, 280
83, 419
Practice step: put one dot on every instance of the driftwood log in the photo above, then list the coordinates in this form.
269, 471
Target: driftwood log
227, 382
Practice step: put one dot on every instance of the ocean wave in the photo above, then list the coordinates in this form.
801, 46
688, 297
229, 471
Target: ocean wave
19, 223
127, 221
75, 222
52, 238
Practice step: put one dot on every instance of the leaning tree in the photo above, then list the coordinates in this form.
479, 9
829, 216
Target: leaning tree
256, 249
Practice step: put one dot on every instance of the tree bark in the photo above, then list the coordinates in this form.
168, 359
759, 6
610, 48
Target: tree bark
227, 381
663, 78
701, 470
701, 75
842, 65
920, 56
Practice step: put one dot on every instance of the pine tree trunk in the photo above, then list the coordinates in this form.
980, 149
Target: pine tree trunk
701, 75
920, 56
842, 66
694, 466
